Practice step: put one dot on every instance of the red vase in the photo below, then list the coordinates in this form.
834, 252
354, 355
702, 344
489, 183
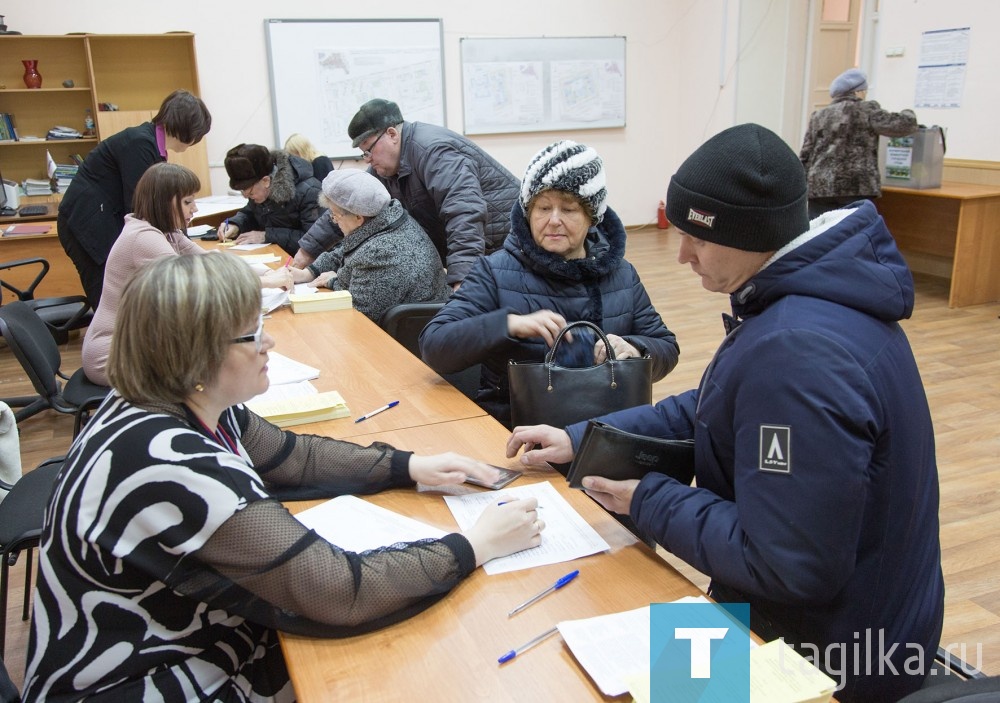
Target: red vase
32, 78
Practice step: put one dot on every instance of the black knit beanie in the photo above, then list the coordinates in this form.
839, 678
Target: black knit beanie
744, 188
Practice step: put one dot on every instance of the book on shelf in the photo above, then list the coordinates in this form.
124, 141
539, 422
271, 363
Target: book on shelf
14, 230
320, 301
8, 130
302, 409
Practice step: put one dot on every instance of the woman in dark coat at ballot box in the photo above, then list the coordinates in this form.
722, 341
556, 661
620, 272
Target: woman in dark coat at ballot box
167, 560
282, 193
92, 212
386, 257
562, 262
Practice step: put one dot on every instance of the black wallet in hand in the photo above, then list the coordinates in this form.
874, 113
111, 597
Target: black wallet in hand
616, 454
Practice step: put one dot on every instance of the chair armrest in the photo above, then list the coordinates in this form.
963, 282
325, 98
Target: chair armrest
29, 292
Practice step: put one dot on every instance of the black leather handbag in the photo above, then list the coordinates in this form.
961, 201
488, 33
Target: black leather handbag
548, 394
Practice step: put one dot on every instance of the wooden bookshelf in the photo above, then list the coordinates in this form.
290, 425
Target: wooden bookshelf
133, 71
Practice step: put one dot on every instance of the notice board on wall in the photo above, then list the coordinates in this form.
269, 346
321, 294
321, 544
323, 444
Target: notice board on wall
533, 84
322, 71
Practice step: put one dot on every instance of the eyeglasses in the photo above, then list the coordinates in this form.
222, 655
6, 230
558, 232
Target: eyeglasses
257, 337
246, 192
367, 153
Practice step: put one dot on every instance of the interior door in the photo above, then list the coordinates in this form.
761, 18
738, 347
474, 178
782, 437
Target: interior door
835, 47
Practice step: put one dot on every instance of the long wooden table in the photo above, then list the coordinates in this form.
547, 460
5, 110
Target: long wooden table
951, 231
449, 652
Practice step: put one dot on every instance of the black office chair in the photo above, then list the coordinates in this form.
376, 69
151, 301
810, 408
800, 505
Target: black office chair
8, 691
62, 314
29, 339
405, 322
21, 515
951, 680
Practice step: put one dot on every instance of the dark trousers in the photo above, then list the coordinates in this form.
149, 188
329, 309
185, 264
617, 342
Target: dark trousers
91, 273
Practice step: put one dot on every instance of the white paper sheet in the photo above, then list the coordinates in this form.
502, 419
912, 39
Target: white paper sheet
613, 647
566, 535
281, 369
355, 525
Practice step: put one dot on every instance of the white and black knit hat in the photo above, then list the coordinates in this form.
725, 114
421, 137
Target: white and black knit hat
569, 167
744, 188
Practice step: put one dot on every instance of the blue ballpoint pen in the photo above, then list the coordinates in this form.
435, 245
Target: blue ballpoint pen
554, 587
376, 412
504, 658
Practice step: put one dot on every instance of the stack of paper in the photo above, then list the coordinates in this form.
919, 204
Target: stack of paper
301, 410
778, 674
319, 301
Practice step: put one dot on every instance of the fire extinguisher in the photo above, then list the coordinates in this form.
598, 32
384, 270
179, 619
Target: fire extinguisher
661, 216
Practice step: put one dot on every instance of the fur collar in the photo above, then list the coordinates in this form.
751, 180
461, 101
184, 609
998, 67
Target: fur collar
605, 249
284, 179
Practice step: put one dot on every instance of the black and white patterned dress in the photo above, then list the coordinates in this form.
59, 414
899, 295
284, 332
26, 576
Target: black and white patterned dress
168, 561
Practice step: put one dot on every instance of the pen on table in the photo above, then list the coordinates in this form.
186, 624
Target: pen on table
504, 658
376, 412
554, 587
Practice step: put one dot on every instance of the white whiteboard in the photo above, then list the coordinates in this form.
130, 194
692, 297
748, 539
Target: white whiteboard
535, 84
322, 71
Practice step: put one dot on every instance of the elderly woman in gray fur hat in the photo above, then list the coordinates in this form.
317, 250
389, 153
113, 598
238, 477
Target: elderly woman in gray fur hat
385, 258
563, 261
840, 150
282, 197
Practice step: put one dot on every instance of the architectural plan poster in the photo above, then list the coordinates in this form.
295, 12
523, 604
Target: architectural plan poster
941, 71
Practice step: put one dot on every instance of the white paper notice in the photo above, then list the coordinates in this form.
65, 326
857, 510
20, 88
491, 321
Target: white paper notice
355, 525
566, 535
281, 369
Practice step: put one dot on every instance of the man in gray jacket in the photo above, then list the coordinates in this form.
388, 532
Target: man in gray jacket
457, 192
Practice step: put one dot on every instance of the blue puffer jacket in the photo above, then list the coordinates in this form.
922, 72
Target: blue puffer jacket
817, 485
523, 278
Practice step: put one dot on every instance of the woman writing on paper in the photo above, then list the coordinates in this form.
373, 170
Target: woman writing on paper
167, 560
164, 203
563, 261
386, 258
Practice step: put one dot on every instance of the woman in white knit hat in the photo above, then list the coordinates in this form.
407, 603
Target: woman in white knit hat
562, 262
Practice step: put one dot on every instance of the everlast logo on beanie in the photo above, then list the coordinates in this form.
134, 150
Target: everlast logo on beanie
702, 219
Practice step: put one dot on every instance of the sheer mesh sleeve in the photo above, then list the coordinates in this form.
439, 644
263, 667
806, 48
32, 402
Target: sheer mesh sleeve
265, 565
300, 467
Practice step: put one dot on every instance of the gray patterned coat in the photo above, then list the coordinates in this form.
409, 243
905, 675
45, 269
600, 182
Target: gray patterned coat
840, 151
386, 261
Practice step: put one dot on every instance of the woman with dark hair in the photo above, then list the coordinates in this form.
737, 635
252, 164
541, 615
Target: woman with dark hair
92, 212
164, 204
167, 561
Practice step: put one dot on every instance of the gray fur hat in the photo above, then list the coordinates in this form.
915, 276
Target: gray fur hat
569, 167
851, 80
374, 116
356, 191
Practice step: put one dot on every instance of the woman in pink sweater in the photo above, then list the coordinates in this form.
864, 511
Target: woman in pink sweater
164, 203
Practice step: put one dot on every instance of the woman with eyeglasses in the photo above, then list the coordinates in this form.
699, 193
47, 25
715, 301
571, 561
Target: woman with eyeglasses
282, 196
167, 561
386, 257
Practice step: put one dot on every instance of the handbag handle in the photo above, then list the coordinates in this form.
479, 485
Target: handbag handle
609, 350
551, 354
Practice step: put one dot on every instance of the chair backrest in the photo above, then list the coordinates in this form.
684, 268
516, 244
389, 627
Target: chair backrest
32, 344
23, 511
405, 322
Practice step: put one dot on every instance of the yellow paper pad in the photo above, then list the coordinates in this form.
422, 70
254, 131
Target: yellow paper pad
319, 301
302, 409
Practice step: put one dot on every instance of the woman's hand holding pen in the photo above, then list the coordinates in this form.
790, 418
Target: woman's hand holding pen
506, 527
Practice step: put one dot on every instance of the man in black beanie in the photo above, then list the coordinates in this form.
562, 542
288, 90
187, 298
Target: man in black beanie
816, 498
458, 193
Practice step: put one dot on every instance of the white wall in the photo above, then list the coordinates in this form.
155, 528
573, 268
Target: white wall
971, 129
673, 102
